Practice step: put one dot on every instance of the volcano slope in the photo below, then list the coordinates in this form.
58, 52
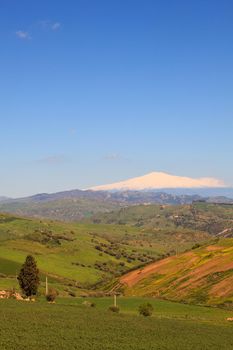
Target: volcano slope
202, 276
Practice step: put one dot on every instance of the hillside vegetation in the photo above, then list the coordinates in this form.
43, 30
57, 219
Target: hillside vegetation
203, 275
199, 216
77, 257
77, 204
92, 255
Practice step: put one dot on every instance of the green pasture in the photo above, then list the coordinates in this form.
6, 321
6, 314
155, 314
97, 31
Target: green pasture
69, 325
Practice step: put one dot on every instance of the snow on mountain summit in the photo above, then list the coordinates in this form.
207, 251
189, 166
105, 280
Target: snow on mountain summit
160, 180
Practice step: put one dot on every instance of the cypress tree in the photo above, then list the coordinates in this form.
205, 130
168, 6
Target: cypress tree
29, 277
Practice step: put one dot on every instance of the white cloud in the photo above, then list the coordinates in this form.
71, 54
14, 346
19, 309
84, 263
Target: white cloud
22, 35
50, 25
55, 26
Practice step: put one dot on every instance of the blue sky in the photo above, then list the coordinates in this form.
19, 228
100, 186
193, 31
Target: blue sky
94, 92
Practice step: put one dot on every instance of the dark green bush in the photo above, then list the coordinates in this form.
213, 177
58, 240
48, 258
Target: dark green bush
145, 309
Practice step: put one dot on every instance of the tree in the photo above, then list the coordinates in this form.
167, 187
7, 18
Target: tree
29, 277
145, 309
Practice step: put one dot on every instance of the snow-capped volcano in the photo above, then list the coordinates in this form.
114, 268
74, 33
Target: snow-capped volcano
160, 180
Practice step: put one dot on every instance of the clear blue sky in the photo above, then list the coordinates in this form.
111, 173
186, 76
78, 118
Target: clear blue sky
96, 91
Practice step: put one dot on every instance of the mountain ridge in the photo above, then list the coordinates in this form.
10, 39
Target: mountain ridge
161, 180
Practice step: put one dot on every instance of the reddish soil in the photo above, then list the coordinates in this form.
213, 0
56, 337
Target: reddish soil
223, 288
190, 268
163, 266
213, 248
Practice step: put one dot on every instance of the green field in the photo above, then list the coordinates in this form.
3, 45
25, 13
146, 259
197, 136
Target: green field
92, 255
71, 325
89, 257
77, 256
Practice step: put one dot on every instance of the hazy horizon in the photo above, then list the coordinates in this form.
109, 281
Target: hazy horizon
163, 182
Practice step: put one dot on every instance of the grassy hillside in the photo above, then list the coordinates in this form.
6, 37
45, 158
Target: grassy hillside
92, 255
203, 275
211, 218
78, 256
70, 325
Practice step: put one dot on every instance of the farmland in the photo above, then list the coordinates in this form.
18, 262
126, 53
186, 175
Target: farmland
201, 276
77, 256
71, 325
92, 255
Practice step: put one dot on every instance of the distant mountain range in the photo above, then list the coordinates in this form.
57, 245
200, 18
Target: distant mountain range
153, 188
77, 204
2, 198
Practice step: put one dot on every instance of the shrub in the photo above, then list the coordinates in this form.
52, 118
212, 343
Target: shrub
115, 309
29, 277
51, 296
145, 309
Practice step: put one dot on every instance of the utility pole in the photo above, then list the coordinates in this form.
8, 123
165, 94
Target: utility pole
115, 300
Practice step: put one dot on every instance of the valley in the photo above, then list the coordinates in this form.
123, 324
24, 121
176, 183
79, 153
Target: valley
81, 255
93, 255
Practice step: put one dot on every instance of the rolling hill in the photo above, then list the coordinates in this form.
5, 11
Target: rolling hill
168, 241
202, 276
77, 204
79, 256
213, 218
